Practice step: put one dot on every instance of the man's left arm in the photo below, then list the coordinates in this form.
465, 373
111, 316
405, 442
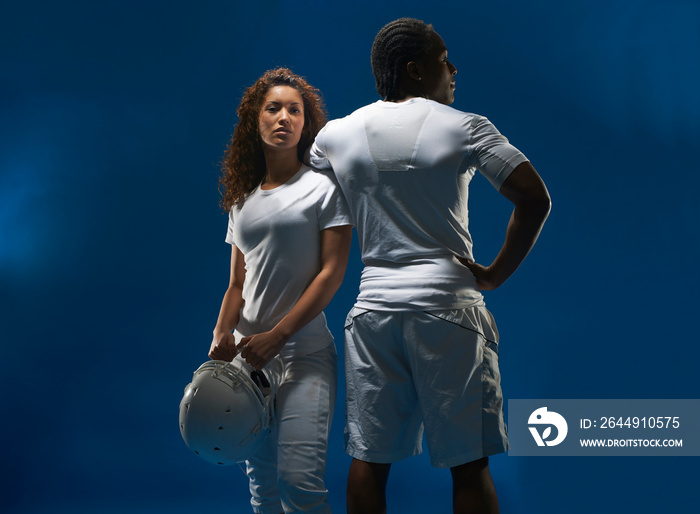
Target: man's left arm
526, 190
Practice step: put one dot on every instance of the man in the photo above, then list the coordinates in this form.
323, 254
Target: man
421, 348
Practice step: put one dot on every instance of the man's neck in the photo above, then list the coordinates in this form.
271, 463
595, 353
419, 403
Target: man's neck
400, 96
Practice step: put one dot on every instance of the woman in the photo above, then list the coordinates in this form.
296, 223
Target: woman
290, 234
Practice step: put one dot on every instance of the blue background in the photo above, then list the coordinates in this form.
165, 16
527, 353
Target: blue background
113, 117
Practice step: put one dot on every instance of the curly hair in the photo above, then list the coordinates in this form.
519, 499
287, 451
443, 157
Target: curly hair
243, 164
396, 44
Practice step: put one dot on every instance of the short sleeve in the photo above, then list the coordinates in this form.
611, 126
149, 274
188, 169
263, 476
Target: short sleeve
229, 232
332, 209
491, 153
317, 155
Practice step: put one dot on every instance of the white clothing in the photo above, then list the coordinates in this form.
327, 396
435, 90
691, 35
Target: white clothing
420, 347
277, 231
434, 369
287, 473
404, 169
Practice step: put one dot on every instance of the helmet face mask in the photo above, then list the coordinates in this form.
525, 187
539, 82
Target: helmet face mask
229, 408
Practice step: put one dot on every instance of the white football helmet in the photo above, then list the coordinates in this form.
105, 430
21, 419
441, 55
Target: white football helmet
229, 408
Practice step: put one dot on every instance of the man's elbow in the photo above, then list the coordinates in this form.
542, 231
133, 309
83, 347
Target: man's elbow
535, 208
544, 205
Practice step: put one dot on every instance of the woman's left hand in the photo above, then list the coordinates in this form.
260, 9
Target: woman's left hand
259, 349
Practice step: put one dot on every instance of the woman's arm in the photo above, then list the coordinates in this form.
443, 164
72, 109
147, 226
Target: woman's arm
259, 349
223, 345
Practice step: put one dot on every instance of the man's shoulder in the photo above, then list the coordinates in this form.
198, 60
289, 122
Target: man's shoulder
448, 110
341, 127
311, 176
349, 118
446, 116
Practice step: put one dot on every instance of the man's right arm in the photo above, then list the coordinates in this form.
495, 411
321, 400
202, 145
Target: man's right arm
528, 193
316, 154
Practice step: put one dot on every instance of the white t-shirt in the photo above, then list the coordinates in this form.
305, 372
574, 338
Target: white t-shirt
278, 233
404, 169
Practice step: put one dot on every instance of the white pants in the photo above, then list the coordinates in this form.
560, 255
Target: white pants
287, 474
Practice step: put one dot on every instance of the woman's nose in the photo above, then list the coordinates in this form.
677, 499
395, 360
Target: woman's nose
284, 116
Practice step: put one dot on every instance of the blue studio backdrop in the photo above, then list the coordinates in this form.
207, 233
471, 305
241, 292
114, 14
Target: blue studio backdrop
113, 117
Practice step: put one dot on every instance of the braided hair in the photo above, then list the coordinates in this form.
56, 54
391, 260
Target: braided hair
396, 44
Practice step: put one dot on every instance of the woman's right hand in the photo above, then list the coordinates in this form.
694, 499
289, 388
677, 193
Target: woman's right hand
223, 346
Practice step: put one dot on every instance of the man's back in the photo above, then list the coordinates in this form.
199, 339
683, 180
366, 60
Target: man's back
405, 169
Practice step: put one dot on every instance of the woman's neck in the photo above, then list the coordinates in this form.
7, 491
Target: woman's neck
280, 167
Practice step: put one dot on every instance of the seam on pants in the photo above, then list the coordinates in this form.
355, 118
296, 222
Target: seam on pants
350, 318
491, 344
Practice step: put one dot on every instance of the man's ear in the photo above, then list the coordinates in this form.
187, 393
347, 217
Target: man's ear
413, 70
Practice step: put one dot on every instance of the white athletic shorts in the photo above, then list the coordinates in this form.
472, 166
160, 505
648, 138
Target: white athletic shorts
409, 371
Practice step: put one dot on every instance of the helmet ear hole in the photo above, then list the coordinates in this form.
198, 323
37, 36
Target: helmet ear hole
260, 379
228, 409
